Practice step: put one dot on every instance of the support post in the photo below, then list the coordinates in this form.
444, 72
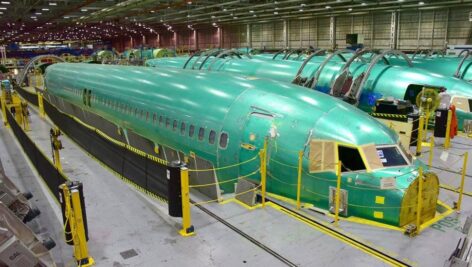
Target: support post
41, 105
420, 200
75, 218
461, 189
431, 151
419, 139
332, 32
263, 170
299, 183
447, 140
187, 227
4, 108
338, 194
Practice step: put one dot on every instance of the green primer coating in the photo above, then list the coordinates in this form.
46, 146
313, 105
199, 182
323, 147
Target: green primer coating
240, 107
384, 80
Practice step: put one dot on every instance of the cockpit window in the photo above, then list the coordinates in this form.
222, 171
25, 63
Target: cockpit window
391, 156
351, 159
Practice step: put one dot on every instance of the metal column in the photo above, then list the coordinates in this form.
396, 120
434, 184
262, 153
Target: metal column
393, 30
248, 35
286, 29
332, 32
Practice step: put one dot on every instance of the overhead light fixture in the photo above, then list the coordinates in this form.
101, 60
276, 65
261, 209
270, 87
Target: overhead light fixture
302, 4
213, 17
327, 7
251, 11
189, 2
38, 13
84, 10
235, 17
276, 13
421, 3
224, 9
3, 8
301, 10
5, 2
364, 4
349, 9
52, 3
45, 9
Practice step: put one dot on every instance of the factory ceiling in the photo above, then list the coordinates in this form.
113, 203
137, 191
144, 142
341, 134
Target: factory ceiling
107, 19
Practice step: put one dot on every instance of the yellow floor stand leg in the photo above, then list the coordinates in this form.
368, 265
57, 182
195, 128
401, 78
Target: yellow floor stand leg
337, 197
299, 182
461, 189
74, 218
447, 140
419, 139
187, 227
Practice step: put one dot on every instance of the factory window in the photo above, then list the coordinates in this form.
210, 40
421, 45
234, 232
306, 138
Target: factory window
201, 133
167, 122
350, 158
174, 125
182, 128
161, 120
191, 131
154, 118
223, 140
212, 137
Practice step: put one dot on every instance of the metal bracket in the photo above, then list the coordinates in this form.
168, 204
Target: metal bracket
327, 60
458, 73
356, 88
296, 80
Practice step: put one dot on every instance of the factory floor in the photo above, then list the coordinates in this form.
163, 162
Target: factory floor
127, 228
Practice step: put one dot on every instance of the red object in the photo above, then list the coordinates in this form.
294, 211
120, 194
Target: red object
453, 130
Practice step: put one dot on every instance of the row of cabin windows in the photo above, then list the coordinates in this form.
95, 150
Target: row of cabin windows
144, 115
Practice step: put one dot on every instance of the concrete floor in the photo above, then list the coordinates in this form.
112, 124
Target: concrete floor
124, 221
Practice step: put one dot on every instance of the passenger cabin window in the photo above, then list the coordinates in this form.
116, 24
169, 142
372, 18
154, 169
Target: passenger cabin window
167, 122
191, 131
182, 128
201, 133
161, 120
223, 140
351, 159
174, 126
212, 137
154, 118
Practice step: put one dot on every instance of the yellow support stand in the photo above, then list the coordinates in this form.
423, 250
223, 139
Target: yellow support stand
461, 189
338, 195
447, 140
299, 183
263, 170
431, 151
4, 108
41, 105
187, 227
56, 145
74, 217
419, 139
420, 200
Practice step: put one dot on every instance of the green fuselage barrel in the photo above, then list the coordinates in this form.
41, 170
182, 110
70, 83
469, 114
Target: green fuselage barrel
247, 110
384, 80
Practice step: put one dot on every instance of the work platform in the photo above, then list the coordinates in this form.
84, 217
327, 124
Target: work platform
129, 228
